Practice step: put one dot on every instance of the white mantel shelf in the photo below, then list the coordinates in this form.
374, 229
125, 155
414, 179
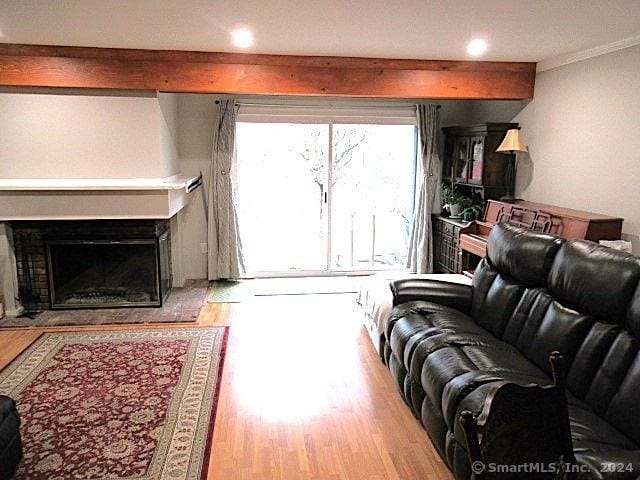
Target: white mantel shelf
175, 182
94, 199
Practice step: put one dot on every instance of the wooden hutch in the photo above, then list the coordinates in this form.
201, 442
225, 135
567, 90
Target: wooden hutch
471, 163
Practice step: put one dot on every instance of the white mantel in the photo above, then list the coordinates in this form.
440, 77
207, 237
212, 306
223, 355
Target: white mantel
94, 199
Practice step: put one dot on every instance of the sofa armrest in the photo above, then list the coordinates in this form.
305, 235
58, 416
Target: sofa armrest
7, 406
449, 294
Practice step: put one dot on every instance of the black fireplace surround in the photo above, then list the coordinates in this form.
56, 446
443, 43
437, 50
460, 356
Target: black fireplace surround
92, 264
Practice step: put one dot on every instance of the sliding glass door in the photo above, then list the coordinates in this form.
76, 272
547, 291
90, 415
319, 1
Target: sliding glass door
372, 196
282, 178
321, 198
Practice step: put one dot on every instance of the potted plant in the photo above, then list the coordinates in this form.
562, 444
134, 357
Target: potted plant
452, 200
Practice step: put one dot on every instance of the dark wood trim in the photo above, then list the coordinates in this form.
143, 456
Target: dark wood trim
237, 73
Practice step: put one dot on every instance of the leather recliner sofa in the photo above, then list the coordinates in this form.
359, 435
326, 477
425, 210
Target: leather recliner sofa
10, 440
532, 294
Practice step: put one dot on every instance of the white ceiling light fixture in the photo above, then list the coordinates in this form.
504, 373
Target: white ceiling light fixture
476, 47
242, 38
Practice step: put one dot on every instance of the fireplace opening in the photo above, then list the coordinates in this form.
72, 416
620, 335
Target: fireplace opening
108, 273
92, 263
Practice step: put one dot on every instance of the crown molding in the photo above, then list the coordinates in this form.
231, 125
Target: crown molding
568, 58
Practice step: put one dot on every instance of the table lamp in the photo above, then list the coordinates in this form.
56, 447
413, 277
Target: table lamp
511, 144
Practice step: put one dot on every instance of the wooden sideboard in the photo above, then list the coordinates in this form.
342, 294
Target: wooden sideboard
446, 233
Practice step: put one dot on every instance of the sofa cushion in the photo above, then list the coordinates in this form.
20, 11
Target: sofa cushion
410, 323
524, 255
589, 431
494, 299
594, 280
633, 315
590, 359
622, 411
561, 330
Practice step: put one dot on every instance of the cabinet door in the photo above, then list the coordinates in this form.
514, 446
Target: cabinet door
461, 159
447, 161
476, 160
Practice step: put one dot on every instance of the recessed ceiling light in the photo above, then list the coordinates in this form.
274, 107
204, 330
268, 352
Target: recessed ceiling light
242, 38
476, 47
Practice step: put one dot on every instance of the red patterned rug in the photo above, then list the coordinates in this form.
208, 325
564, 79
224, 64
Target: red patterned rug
127, 404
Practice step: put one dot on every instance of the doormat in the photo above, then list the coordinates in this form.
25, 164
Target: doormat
125, 404
229, 291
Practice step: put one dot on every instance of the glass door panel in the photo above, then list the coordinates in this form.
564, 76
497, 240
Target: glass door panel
281, 195
372, 195
461, 159
477, 159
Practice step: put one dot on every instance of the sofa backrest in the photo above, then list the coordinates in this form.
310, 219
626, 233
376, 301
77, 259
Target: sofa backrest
603, 284
523, 255
516, 260
540, 294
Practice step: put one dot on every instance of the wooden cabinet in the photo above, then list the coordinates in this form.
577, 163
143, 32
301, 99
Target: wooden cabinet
446, 256
470, 158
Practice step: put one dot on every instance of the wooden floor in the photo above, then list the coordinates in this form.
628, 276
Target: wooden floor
303, 395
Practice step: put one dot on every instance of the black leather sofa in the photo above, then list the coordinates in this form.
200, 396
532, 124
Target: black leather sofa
533, 294
10, 441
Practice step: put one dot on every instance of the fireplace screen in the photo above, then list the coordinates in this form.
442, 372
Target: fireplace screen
84, 274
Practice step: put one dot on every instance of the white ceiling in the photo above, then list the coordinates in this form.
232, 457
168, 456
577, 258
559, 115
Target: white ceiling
516, 30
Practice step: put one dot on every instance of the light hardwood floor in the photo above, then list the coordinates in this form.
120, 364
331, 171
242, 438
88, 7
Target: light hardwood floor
303, 395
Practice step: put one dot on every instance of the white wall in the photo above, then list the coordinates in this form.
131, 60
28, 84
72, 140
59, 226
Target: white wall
582, 131
483, 111
168, 131
85, 136
196, 115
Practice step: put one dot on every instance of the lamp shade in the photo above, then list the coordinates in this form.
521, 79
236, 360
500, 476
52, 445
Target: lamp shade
512, 142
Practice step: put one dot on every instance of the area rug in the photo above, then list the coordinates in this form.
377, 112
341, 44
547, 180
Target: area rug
305, 285
126, 404
228, 291
182, 306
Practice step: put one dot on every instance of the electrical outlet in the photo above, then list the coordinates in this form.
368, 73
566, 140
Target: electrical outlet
203, 248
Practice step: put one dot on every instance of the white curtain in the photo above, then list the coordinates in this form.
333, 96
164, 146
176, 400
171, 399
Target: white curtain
225, 260
421, 244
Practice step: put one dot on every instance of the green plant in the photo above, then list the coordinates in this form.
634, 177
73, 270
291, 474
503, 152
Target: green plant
473, 210
450, 196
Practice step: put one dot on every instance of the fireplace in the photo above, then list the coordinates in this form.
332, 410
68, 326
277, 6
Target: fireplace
106, 273
92, 264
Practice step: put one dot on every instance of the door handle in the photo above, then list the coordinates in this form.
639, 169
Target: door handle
326, 197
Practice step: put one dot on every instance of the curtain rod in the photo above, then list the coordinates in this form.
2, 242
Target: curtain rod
249, 104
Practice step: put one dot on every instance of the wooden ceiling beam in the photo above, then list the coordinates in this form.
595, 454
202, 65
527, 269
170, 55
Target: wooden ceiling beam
237, 73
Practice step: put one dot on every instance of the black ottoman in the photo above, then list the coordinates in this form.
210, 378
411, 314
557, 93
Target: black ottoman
10, 441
